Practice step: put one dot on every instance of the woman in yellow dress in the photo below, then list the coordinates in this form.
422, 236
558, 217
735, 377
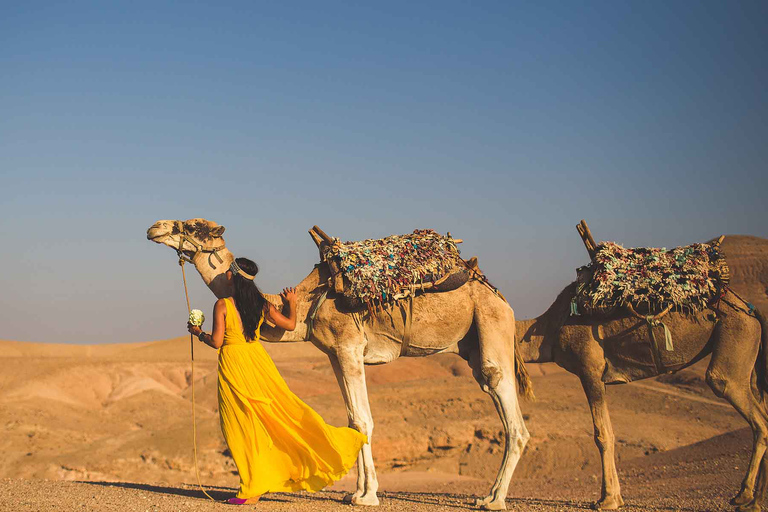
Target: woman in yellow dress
278, 442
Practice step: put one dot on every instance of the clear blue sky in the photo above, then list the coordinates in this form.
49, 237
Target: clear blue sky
504, 123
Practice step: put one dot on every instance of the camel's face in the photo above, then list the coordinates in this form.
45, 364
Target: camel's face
203, 232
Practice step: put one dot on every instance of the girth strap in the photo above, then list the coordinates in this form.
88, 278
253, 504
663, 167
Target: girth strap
311, 320
407, 325
654, 321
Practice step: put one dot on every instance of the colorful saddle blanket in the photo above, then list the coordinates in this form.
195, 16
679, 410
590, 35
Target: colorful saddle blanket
377, 270
652, 279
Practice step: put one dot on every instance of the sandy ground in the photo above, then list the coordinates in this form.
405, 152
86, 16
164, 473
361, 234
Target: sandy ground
700, 477
109, 427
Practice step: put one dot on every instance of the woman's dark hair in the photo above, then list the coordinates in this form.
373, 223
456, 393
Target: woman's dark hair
248, 299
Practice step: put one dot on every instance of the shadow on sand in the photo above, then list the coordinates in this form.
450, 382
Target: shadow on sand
217, 493
220, 494
443, 500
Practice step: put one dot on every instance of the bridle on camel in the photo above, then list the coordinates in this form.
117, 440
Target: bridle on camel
183, 259
185, 237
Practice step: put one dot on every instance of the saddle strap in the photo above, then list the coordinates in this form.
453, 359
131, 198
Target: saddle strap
648, 318
311, 320
653, 321
408, 324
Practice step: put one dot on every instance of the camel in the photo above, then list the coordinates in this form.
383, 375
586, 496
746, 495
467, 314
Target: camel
471, 321
595, 349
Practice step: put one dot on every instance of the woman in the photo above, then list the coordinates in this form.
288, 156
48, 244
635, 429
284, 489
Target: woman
277, 441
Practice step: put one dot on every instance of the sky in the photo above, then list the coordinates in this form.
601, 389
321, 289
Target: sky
504, 123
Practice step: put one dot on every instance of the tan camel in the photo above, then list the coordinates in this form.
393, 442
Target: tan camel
614, 350
471, 321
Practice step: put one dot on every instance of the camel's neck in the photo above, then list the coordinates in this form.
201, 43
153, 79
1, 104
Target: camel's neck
534, 343
213, 274
307, 294
212, 271
537, 336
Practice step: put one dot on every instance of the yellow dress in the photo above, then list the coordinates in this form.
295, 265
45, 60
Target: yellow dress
277, 441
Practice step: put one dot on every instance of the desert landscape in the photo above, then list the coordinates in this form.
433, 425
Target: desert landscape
109, 427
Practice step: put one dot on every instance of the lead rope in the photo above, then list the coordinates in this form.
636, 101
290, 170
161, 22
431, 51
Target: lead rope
192, 353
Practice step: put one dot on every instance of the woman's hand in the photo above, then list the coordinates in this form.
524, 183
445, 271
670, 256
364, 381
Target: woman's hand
287, 319
289, 295
194, 329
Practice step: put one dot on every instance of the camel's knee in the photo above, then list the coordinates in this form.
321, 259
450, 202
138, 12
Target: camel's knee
522, 438
490, 376
603, 439
364, 427
717, 382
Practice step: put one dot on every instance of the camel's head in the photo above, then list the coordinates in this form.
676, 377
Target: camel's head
192, 234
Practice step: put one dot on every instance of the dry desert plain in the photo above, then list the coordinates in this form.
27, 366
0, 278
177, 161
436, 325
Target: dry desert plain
108, 427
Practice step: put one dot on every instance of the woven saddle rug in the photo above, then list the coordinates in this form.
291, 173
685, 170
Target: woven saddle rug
651, 279
376, 271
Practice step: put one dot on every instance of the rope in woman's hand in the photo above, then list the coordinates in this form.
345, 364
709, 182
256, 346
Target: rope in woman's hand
192, 353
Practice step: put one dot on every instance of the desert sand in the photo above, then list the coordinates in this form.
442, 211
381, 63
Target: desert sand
109, 427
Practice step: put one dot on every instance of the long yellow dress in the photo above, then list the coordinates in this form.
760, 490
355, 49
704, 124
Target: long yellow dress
277, 441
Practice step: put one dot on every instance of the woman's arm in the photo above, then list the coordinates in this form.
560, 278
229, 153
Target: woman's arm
276, 317
216, 338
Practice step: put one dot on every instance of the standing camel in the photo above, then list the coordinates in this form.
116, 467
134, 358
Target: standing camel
615, 349
471, 321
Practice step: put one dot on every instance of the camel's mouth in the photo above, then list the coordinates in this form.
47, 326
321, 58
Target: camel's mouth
154, 233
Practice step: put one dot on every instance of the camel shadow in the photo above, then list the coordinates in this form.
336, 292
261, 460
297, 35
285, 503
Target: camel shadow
467, 501
443, 500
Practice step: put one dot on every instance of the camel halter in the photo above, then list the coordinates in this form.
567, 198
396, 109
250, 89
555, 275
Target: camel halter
192, 353
185, 237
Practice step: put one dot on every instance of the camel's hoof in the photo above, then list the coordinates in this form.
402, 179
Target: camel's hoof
742, 498
479, 502
367, 500
609, 503
749, 507
491, 504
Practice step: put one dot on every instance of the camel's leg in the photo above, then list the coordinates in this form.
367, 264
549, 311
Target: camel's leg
759, 490
516, 436
493, 368
585, 359
360, 471
350, 373
729, 377
610, 491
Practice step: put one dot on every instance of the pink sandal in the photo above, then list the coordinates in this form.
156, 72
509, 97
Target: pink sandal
243, 501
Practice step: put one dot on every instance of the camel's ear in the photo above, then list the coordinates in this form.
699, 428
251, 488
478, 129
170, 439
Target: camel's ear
217, 231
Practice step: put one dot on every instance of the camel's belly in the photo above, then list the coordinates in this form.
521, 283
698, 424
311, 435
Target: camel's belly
633, 353
436, 326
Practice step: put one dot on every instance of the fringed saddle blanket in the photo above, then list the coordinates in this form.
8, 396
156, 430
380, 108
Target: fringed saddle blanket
377, 270
686, 278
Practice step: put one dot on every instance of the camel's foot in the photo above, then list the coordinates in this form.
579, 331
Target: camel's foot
349, 497
491, 503
742, 498
479, 502
609, 503
749, 507
367, 500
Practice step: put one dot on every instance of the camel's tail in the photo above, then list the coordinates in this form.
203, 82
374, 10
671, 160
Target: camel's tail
524, 384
